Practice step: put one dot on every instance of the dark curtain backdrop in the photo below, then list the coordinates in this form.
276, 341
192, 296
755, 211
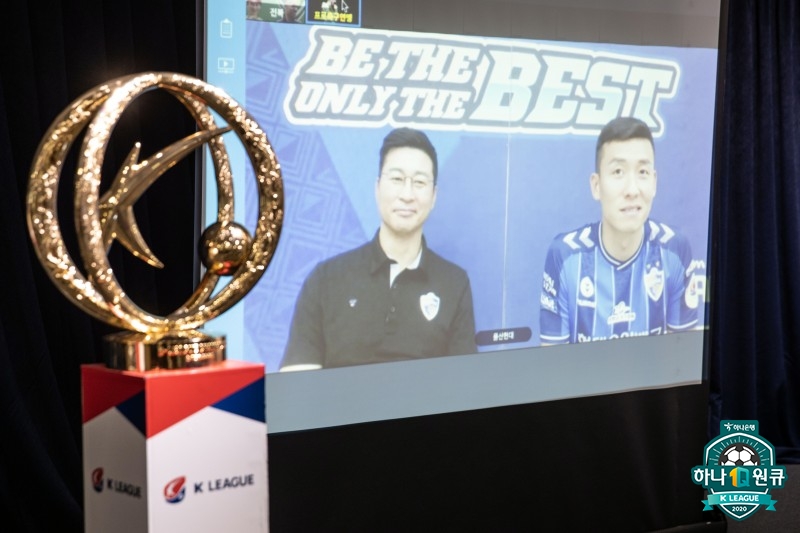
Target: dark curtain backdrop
52, 51
755, 318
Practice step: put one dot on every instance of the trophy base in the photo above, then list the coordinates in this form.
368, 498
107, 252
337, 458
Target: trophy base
128, 350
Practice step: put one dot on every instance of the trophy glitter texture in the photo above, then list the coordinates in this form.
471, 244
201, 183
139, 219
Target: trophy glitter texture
226, 248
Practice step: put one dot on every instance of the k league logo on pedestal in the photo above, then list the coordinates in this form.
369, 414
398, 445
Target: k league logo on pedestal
739, 470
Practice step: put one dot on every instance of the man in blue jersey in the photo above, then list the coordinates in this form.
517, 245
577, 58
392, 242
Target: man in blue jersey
625, 275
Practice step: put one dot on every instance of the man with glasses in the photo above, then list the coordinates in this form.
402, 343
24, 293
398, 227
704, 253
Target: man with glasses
392, 298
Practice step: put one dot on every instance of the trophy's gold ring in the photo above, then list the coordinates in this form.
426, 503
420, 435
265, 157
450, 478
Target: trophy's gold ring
99, 220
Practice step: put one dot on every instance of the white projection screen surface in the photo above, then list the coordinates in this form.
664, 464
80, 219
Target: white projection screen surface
514, 114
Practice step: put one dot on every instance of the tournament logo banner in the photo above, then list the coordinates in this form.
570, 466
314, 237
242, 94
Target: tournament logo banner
739, 470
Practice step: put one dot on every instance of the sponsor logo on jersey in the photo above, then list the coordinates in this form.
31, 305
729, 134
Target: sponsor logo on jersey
429, 303
622, 313
695, 291
548, 285
696, 284
624, 335
654, 282
548, 304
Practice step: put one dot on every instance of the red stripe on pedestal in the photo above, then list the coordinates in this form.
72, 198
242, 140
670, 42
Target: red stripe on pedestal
104, 389
170, 395
175, 395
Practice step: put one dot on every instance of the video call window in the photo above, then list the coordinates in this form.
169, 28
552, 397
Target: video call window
560, 232
549, 212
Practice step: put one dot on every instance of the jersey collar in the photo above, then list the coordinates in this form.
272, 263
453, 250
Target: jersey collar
619, 265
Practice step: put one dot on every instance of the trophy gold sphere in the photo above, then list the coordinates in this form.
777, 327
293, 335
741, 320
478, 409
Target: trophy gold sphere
224, 247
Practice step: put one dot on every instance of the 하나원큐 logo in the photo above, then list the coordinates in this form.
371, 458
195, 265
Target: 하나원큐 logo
739, 470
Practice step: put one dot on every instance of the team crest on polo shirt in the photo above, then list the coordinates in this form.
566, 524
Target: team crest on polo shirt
429, 303
654, 283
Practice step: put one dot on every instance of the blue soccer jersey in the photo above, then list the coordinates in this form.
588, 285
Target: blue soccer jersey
587, 295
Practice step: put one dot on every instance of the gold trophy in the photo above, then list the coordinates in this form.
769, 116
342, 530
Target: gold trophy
226, 248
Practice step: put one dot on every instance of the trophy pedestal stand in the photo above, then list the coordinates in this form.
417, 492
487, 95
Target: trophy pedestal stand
176, 450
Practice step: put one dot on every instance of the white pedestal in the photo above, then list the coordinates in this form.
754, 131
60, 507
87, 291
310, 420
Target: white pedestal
180, 450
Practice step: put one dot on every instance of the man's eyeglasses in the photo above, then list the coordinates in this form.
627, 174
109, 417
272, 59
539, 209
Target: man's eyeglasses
418, 183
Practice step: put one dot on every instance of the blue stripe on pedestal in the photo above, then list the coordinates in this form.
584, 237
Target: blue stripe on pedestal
247, 402
133, 410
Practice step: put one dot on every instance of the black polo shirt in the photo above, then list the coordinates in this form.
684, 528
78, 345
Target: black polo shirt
347, 314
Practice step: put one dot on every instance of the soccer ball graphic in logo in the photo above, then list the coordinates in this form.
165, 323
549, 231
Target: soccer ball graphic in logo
738, 455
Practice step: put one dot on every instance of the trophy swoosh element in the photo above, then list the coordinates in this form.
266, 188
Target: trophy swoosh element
132, 180
228, 248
